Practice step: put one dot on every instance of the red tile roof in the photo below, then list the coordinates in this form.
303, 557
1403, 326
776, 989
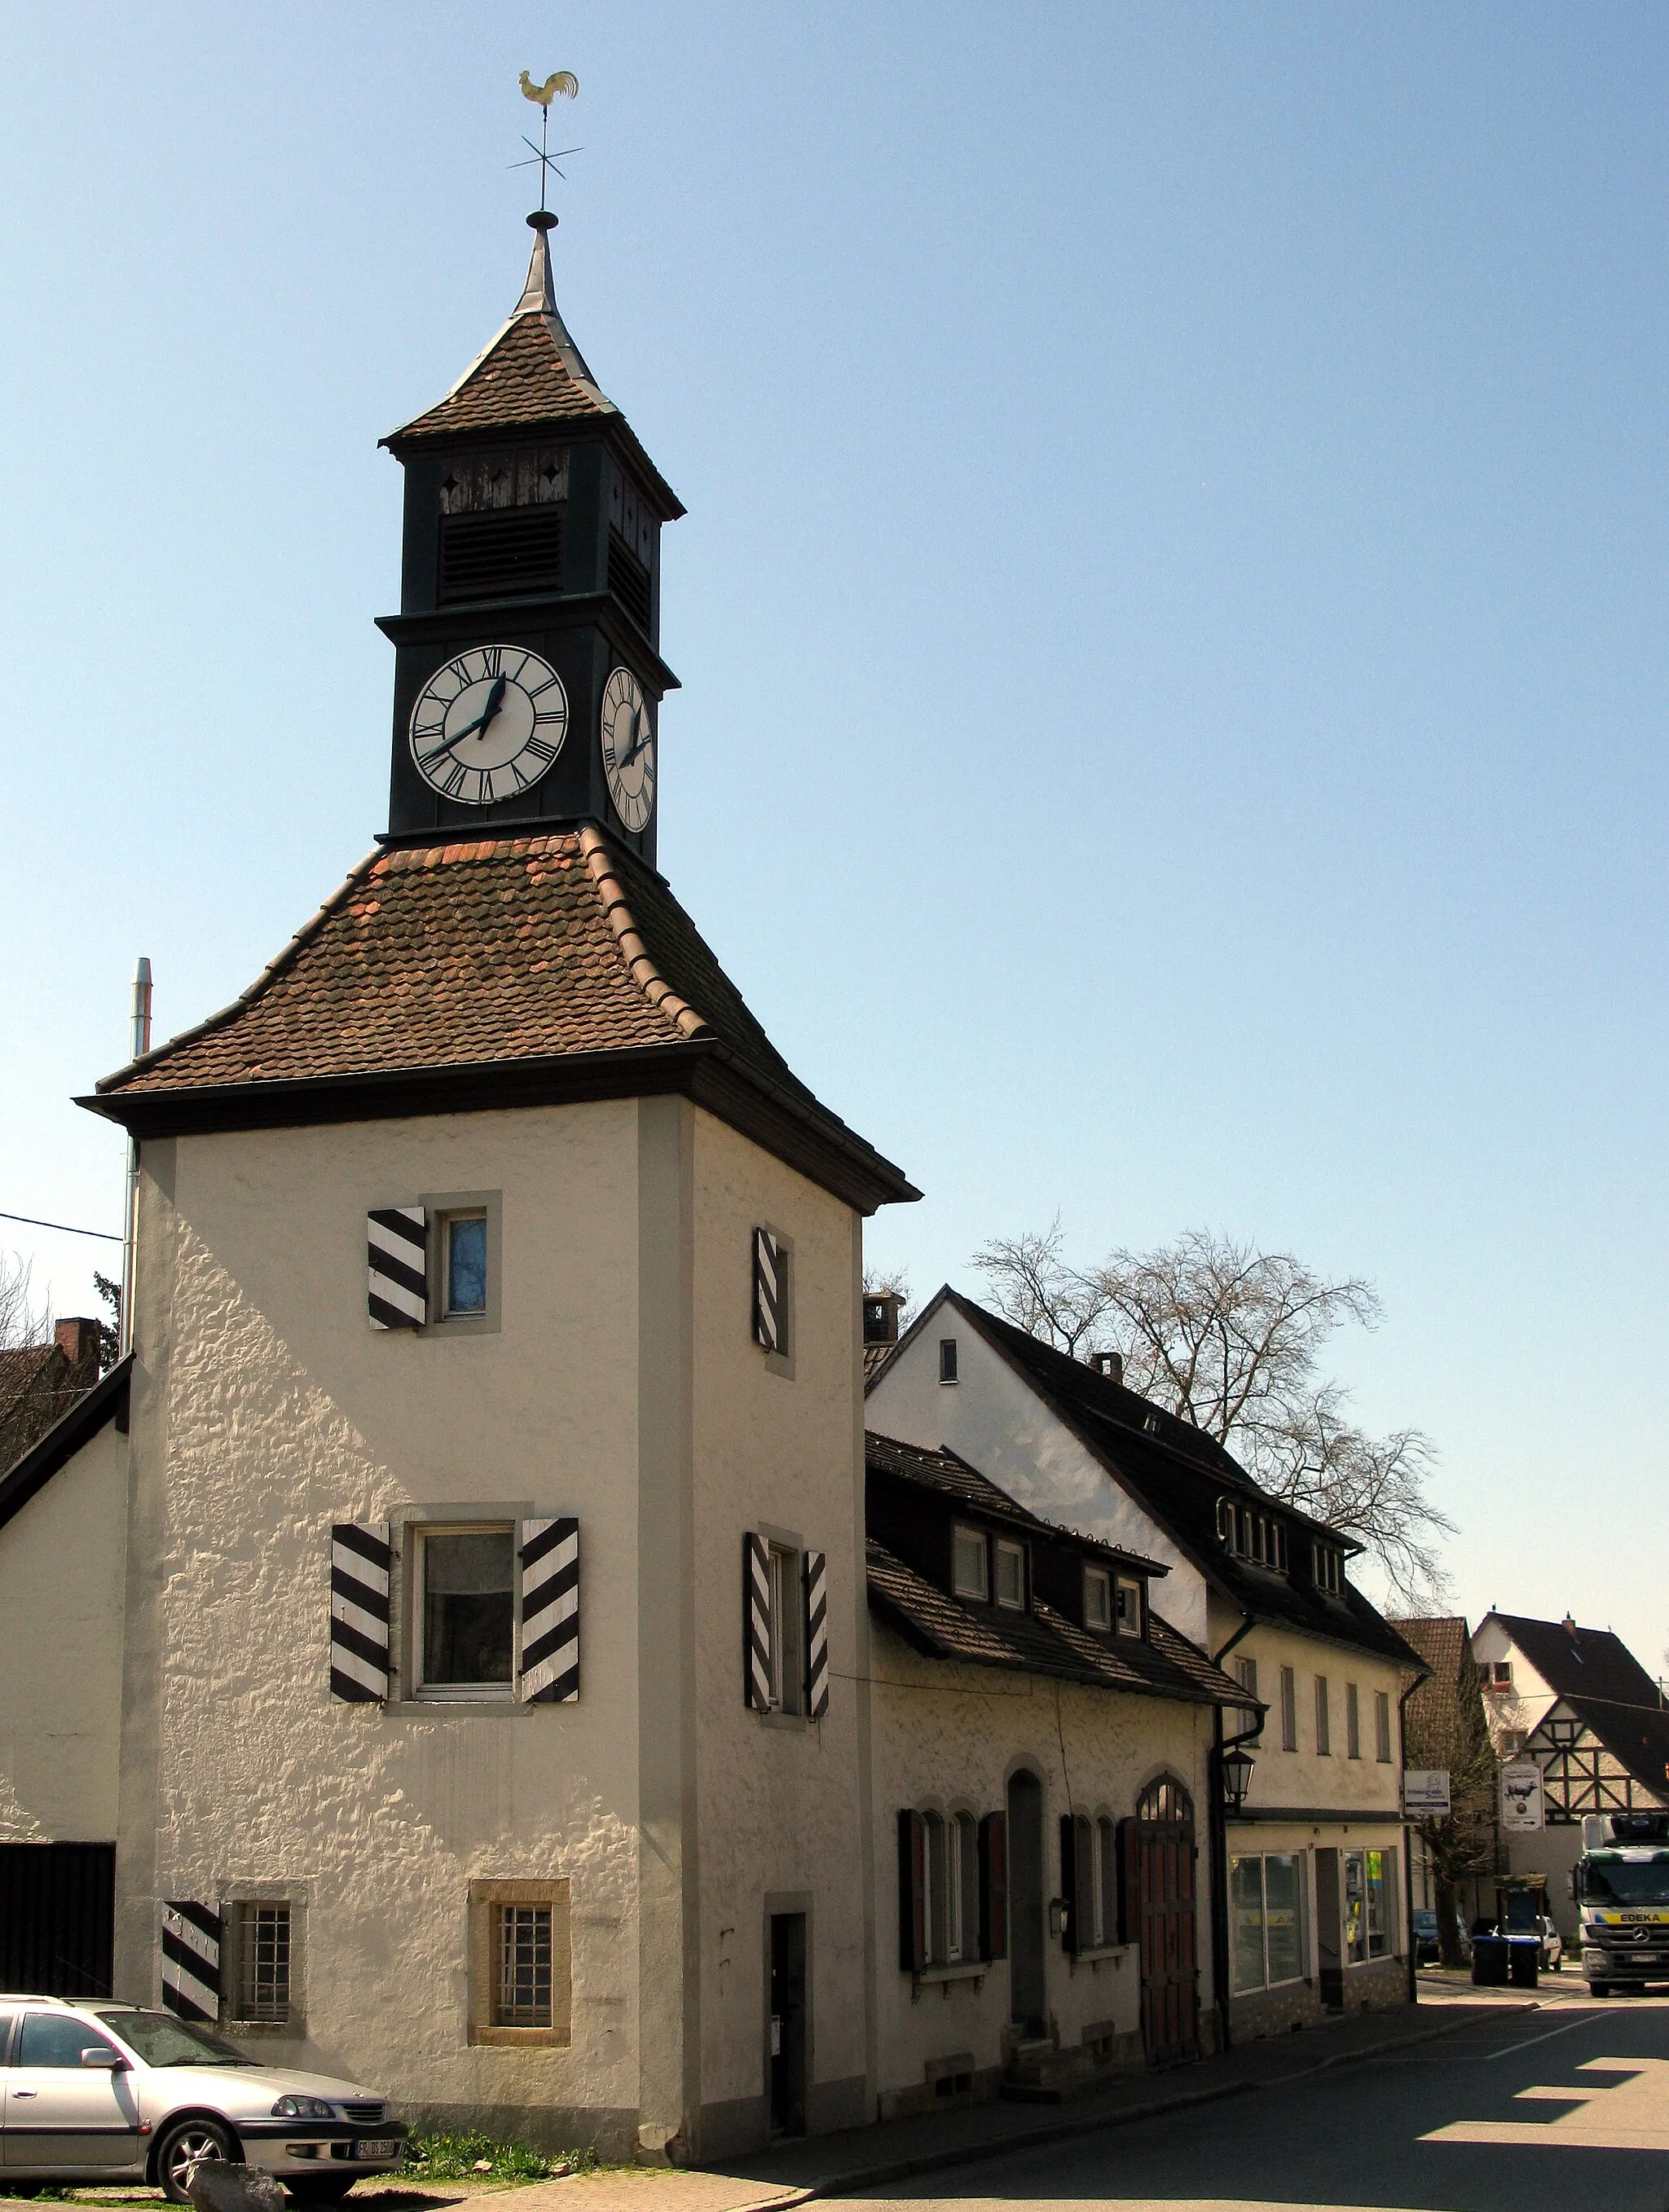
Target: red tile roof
494, 955
519, 380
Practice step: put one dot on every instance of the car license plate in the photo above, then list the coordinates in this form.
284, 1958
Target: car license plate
379, 2146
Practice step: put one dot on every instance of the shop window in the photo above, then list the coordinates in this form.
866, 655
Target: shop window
1266, 1920
1369, 1905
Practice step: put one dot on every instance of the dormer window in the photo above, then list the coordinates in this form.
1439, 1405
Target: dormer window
1250, 1535
972, 1568
1011, 1574
1127, 1595
1328, 1567
1098, 1599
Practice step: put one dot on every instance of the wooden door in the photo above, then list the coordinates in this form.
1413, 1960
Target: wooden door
1164, 1887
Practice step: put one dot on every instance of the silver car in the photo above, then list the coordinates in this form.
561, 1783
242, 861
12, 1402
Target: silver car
113, 2093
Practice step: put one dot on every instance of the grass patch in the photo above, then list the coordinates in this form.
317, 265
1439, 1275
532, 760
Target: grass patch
477, 2157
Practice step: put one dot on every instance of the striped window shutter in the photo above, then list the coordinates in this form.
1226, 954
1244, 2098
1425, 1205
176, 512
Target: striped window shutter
817, 1634
912, 1891
994, 1886
397, 1250
756, 1622
191, 1960
767, 1291
550, 1611
360, 1561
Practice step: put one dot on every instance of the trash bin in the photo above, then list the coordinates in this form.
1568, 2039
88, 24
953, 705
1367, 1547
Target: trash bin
1524, 1957
1490, 1963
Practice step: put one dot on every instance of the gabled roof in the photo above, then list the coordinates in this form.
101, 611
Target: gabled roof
1443, 1640
512, 971
1042, 1642
951, 1477
1595, 1673
108, 1401
530, 376
1178, 1474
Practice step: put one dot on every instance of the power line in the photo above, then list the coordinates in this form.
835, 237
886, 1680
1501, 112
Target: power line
109, 1235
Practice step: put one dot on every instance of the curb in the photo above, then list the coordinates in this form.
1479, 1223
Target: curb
887, 2170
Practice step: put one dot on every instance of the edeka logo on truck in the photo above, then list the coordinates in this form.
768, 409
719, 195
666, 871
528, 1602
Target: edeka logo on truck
1621, 1885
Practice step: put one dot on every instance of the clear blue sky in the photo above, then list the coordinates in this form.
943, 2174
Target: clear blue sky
1170, 612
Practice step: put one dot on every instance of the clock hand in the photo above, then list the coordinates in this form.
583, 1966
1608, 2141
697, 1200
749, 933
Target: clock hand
494, 700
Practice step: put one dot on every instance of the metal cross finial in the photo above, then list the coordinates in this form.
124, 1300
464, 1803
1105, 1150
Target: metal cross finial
559, 81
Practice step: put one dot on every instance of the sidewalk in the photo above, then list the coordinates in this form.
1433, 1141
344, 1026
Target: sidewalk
894, 2150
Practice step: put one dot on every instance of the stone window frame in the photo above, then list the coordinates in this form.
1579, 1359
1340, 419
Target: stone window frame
484, 1895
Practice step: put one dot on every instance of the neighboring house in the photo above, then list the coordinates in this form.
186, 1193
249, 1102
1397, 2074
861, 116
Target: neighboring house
1042, 1824
1313, 1866
1445, 1726
494, 1705
39, 1383
63, 1572
1579, 1703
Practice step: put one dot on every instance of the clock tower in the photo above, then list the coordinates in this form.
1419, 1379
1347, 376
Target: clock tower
528, 677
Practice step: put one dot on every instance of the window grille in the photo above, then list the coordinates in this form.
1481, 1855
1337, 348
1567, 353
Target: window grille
264, 1962
523, 1996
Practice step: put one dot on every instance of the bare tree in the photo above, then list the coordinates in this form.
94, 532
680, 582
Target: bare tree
1030, 1284
23, 1324
1229, 1337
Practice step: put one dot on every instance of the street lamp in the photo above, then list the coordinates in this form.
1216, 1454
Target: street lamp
1237, 1766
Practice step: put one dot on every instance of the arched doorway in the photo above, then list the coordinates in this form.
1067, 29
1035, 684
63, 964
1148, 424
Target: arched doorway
1160, 1876
1028, 1989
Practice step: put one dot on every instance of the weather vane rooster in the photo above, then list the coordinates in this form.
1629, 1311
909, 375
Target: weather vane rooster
563, 81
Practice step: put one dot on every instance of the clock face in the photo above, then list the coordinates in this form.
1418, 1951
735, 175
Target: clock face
628, 749
489, 724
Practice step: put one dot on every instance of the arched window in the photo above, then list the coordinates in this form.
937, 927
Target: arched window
1166, 1800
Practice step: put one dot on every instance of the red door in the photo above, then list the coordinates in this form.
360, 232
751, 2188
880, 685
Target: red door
1164, 1888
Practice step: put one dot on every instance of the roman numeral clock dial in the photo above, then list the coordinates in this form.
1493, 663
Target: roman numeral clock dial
628, 741
489, 724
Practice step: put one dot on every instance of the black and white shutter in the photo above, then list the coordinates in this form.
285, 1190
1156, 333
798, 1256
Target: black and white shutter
767, 1291
397, 1251
360, 1561
756, 1622
191, 1960
550, 1611
817, 1634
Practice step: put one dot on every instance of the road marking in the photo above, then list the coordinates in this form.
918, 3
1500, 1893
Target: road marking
1507, 2049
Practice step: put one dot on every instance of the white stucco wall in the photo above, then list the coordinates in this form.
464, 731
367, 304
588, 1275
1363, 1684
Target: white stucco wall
62, 1566
1306, 1778
780, 1798
264, 1409
996, 1422
947, 1739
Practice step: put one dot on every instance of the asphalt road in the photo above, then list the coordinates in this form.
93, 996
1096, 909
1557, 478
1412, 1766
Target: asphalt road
1566, 2108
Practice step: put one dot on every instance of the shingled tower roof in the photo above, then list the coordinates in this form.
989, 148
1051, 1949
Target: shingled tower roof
530, 376
513, 971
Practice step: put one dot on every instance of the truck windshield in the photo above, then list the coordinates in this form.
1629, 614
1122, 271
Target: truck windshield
1608, 1880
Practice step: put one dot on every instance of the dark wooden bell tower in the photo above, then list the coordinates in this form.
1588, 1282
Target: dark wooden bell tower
533, 523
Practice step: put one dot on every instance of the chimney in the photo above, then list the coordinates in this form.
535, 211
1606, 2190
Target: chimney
1568, 1626
880, 1317
78, 1341
1110, 1364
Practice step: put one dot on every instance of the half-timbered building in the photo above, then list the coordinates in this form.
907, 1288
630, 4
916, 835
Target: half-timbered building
1579, 1703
